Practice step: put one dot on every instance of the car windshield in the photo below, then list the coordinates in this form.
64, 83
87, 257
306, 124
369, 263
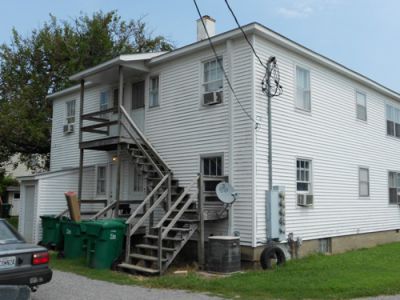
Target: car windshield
7, 236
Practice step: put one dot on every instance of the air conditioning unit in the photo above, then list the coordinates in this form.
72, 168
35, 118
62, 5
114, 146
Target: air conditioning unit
212, 98
305, 200
68, 128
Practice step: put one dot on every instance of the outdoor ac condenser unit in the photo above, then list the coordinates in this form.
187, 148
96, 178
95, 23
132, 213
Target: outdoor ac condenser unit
305, 200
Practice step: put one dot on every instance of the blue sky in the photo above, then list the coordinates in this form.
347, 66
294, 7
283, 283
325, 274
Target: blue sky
364, 35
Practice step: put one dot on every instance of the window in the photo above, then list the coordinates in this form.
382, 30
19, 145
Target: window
303, 91
115, 98
153, 93
304, 176
394, 187
137, 179
103, 101
212, 166
138, 95
17, 195
212, 82
363, 182
101, 180
361, 100
70, 112
392, 121
213, 76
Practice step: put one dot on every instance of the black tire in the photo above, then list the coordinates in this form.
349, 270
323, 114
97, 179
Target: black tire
271, 253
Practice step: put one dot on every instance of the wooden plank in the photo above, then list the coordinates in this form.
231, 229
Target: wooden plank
97, 113
200, 230
95, 126
138, 268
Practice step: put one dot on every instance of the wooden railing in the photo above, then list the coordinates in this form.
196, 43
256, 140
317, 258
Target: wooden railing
102, 121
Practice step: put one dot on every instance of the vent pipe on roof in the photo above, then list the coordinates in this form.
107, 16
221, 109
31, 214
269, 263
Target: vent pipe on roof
210, 26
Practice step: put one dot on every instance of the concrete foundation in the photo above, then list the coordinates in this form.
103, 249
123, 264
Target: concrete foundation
332, 245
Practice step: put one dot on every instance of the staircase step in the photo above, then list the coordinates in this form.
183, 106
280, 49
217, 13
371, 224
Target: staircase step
178, 229
145, 257
155, 237
191, 211
184, 220
138, 268
152, 247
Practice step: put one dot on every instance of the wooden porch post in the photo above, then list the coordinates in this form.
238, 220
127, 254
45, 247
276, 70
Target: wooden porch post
119, 163
200, 229
82, 95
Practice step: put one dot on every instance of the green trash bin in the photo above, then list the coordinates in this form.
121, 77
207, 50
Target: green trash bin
74, 239
105, 242
5, 210
52, 234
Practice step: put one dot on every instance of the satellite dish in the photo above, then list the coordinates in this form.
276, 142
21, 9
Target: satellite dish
226, 193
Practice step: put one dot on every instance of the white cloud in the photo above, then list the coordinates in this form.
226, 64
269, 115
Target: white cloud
303, 8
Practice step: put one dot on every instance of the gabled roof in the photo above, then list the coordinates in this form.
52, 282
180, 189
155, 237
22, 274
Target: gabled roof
252, 28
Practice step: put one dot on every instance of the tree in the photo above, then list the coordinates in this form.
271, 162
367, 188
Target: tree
34, 66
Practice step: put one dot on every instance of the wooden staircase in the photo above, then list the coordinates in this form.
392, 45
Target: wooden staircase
169, 212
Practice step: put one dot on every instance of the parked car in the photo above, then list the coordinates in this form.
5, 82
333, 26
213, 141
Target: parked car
21, 263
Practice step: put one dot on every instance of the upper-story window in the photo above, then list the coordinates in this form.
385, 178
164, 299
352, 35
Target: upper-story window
115, 97
153, 91
303, 89
392, 121
70, 115
104, 100
213, 82
361, 102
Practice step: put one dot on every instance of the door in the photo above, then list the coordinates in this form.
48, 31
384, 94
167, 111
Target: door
138, 104
29, 205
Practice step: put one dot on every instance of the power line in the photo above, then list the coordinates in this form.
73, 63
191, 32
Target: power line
244, 34
221, 66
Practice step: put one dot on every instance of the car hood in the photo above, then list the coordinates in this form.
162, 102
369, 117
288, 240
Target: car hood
16, 248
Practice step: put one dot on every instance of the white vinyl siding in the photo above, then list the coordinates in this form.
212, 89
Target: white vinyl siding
70, 111
154, 91
303, 89
361, 105
213, 75
364, 182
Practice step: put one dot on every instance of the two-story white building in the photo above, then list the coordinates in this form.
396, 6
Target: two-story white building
335, 138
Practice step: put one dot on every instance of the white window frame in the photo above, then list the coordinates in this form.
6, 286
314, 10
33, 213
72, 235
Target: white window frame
203, 75
154, 91
69, 114
395, 119
368, 182
310, 175
358, 92
302, 108
105, 179
208, 156
397, 186
101, 105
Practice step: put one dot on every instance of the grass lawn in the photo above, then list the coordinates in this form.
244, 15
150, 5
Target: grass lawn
13, 221
361, 273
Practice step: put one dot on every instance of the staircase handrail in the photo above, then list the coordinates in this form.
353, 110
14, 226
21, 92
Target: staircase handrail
143, 138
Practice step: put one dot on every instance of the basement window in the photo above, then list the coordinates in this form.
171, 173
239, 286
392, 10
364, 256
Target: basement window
325, 246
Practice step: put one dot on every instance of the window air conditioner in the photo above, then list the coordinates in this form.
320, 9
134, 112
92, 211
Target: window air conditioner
305, 200
68, 128
212, 98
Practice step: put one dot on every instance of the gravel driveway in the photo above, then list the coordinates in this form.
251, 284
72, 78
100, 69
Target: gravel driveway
68, 286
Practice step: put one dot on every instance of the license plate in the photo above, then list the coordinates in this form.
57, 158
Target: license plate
7, 262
